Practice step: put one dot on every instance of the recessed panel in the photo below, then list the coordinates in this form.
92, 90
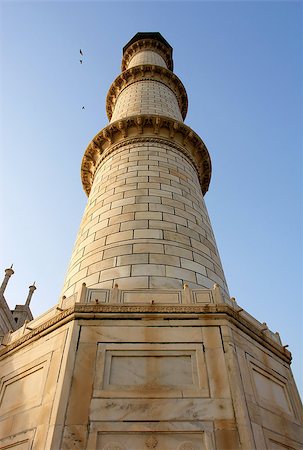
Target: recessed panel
145, 441
278, 441
202, 297
277, 446
20, 441
151, 370
25, 445
271, 390
156, 297
98, 295
22, 389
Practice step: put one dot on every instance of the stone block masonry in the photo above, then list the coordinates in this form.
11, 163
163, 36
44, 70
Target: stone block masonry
145, 221
129, 213
145, 349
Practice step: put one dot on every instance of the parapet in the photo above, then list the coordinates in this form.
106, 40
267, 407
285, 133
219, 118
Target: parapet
115, 303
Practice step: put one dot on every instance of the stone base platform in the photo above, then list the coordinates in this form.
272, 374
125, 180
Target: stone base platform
154, 369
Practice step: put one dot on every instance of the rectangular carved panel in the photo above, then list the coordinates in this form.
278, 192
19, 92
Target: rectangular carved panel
100, 295
150, 370
23, 388
270, 387
277, 441
202, 297
271, 390
278, 446
20, 441
25, 445
155, 296
145, 441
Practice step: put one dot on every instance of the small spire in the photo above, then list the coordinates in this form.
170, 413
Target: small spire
8, 273
32, 289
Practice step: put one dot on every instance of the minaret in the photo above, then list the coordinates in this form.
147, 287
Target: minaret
11, 320
8, 273
22, 313
31, 290
145, 349
145, 225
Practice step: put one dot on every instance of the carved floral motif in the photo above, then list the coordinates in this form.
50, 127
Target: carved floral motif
151, 442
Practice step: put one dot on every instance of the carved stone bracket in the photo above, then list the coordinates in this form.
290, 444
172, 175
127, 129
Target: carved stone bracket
147, 44
142, 73
145, 128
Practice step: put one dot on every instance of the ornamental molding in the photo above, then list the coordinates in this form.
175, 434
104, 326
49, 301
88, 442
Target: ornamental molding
145, 127
147, 44
147, 72
90, 311
44, 328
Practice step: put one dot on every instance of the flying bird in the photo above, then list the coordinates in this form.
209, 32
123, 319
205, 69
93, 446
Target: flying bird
81, 61
81, 52
83, 107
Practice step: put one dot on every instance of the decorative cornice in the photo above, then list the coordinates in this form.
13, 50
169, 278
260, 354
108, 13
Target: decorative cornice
89, 311
45, 327
147, 44
142, 73
144, 127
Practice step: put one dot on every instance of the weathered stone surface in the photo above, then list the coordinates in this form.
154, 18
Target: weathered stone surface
143, 351
128, 373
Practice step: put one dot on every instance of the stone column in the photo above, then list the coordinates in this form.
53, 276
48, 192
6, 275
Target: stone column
145, 224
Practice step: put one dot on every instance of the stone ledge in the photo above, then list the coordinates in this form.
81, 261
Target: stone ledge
145, 128
89, 311
142, 73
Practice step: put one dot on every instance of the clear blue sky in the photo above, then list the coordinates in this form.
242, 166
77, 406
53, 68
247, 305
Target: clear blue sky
241, 63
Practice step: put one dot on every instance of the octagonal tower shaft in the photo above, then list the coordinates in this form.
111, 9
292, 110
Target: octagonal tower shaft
145, 225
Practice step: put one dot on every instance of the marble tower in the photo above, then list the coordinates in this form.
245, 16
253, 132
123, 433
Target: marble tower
146, 349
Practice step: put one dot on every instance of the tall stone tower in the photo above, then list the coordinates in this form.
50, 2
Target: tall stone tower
145, 349
146, 225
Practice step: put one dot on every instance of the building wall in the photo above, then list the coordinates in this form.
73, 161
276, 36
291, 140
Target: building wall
32, 388
152, 384
273, 403
95, 380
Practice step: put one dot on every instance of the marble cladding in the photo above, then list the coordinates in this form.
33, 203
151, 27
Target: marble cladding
147, 57
163, 381
137, 355
184, 296
145, 225
146, 97
29, 381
